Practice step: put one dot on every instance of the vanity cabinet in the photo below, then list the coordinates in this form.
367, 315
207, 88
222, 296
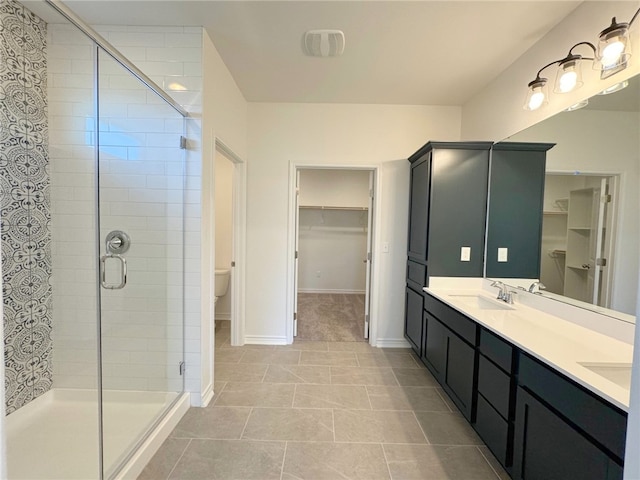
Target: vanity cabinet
562, 430
496, 395
516, 201
540, 424
449, 352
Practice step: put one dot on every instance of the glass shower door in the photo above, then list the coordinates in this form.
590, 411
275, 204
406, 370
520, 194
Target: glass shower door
140, 189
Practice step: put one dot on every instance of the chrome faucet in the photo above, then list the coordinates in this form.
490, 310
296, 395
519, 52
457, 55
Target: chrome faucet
504, 294
532, 287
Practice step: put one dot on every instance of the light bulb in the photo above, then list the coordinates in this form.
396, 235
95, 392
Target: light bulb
568, 81
536, 100
611, 53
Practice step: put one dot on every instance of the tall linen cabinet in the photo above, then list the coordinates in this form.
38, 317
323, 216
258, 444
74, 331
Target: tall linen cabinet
447, 212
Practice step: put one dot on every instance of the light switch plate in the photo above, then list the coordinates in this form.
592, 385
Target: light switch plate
503, 254
465, 254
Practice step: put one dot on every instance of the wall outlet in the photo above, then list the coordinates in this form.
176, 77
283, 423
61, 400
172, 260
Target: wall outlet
318, 274
465, 254
503, 254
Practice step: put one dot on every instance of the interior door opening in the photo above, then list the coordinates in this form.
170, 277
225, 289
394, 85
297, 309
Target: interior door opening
578, 236
228, 249
333, 253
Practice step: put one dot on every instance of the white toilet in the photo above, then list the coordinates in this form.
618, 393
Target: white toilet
221, 282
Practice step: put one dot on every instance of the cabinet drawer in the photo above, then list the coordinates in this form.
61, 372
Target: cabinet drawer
493, 429
494, 385
417, 273
495, 348
453, 319
599, 419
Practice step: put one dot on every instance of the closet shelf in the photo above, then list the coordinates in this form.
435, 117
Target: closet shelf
324, 207
555, 212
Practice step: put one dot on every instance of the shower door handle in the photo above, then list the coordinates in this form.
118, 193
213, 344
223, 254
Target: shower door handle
103, 272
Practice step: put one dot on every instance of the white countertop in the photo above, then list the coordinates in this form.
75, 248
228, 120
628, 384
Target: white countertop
559, 343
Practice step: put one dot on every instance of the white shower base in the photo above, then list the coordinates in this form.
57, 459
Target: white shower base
56, 435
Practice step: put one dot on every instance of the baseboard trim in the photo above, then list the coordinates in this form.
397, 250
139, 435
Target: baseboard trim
207, 395
264, 340
392, 343
343, 292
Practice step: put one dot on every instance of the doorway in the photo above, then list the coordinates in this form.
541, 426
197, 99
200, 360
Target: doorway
228, 244
333, 237
578, 236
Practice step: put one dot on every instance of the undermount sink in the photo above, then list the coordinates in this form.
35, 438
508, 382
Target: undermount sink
618, 373
482, 302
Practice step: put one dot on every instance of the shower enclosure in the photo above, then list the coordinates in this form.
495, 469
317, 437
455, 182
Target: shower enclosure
91, 184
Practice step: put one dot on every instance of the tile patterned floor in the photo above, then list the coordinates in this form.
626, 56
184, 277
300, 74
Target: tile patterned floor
322, 410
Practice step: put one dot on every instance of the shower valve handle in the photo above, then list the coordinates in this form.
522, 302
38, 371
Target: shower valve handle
103, 272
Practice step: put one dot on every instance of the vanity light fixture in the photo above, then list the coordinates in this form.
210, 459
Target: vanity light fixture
568, 78
611, 57
614, 47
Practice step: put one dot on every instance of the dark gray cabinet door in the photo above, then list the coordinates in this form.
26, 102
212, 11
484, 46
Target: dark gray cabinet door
548, 448
435, 347
419, 208
452, 362
460, 372
457, 211
414, 305
515, 209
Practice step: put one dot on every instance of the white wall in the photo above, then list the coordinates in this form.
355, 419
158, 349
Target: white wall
596, 141
224, 227
334, 188
323, 134
332, 244
224, 118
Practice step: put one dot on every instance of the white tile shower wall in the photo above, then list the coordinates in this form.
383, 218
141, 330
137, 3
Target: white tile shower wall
142, 195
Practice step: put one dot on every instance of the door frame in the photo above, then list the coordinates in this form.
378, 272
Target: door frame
294, 167
238, 283
612, 224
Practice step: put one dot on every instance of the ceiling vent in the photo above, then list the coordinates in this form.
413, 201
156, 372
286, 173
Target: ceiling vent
324, 43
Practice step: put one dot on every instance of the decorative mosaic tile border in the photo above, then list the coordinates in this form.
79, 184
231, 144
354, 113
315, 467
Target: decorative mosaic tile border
25, 205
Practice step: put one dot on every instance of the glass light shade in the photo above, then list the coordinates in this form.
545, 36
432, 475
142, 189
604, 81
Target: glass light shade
614, 48
614, 88
577, 106
536, 95
569, 76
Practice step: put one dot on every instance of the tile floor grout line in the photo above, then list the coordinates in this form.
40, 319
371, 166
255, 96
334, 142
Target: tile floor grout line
333, 420
246, 423
386, 460
396, 378
284, 458
180, 458
366, 389
444, 399
487, 460
421, 429
293, 397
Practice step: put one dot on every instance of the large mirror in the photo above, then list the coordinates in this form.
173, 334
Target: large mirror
591, 232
